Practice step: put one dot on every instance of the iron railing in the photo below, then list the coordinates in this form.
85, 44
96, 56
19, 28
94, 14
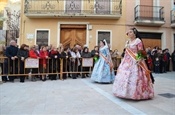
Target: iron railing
172, 15
60, 8
152, 13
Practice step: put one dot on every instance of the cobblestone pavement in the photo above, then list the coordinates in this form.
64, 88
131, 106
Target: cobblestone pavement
83, 97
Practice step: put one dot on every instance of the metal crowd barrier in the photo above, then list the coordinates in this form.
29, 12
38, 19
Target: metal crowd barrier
62, 67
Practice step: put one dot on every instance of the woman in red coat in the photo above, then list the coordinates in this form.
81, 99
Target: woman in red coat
33, 54
43, 61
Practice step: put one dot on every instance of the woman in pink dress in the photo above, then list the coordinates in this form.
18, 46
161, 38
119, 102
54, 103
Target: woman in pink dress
133, 79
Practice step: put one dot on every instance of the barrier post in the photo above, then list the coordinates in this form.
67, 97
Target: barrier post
0, 75
2, 59
61, 69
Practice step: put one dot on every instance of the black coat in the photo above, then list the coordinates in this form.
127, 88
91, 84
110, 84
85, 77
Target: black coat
22, 53
86, 55
11, 51
173, 57
93, 53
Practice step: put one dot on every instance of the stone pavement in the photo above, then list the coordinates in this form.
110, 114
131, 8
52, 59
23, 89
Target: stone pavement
83, 97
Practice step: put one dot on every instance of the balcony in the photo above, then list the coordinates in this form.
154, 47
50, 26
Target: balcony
149, 15
105, 9
172, 15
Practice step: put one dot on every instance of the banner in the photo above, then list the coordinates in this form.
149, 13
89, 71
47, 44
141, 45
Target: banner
87, 62
31, 63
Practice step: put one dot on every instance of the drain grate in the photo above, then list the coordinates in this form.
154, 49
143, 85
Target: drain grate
167, 95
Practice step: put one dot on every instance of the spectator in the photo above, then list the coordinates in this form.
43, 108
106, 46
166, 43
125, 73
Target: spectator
148, 50
2, 50
53, 54
85, 54
168, 59
95, 54
75, 55
66, 61
157, 65
43, 61
80, 50
37, 49
159, 54
33, 54
165, 62
60, 48
95, 51
22, 55
11, 53
173, 60
154, 50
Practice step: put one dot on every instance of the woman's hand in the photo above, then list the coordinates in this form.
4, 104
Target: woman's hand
107, 62
139, 60
22, 58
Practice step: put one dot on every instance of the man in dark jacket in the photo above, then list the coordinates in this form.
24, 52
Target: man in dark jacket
11, 53
173, 60
168, 59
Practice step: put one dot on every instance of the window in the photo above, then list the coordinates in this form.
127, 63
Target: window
42, 37
104, 35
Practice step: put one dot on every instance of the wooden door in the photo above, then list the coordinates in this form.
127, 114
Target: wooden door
151, 42
73, 34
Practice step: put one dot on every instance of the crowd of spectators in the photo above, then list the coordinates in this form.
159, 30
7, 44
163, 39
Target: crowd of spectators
158, 61
49, 61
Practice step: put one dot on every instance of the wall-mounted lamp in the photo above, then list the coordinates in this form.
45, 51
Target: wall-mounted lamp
89, 27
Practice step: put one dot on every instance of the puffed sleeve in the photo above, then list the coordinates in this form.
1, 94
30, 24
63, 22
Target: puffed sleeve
139, 44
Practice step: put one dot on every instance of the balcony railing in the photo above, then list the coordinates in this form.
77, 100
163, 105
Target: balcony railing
149, 14
73, 8
172, 15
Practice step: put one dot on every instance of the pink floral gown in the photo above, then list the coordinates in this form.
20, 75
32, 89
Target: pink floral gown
131, 81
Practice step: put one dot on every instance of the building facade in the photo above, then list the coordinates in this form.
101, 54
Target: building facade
85, 22
70, 22
155, 21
